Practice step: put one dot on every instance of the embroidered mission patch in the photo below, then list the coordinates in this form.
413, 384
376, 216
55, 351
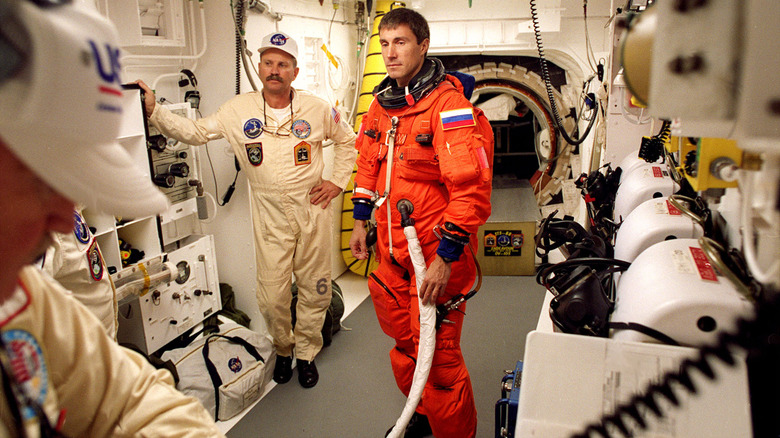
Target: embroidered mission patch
302, 153
80, 228
253, 128
28, 367
234, 363
301, 128
254, 153
95, 260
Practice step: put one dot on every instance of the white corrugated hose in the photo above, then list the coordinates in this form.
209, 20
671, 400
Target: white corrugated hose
427, 337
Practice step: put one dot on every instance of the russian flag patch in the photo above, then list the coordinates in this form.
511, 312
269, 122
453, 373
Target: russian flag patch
457, 118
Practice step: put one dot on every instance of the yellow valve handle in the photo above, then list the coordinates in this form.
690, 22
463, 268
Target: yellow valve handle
330, 56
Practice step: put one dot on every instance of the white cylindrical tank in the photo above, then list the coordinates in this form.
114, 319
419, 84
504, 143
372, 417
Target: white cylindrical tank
631, 163
640, 185
653, 221
672, 288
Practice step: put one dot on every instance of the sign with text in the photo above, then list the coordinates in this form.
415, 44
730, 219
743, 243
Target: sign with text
503, 243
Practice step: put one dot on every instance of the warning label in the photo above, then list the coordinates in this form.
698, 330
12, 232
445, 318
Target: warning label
673, 211
503, 243
694, 262
703, 265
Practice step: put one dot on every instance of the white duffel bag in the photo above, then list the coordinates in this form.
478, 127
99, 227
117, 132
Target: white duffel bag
227, 371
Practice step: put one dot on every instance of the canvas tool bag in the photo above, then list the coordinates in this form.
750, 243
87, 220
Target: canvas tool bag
227, 371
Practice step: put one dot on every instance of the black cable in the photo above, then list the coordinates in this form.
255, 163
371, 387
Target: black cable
543, 272
239, 16
652, 148
752, 334
213, 174
232, 187
543, 244
599, 191
546, 77
229, 192
554, 233
645, 330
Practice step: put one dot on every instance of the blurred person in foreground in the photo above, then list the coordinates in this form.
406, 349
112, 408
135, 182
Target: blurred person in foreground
61, 102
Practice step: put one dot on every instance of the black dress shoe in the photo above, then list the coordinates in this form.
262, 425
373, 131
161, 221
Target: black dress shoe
283, 369
418, 427
307, 373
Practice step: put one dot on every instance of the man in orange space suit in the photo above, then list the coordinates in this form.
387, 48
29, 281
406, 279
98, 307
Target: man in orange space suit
424, 142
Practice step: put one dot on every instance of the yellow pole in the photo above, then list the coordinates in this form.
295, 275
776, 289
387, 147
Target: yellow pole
374, 70
373, 73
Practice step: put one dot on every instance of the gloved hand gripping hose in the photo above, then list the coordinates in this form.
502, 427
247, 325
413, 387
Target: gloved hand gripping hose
427, 343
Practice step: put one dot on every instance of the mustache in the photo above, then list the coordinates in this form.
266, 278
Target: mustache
274, 77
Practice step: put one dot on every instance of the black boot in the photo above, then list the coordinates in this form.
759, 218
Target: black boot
418, 427
283, 369
307, 373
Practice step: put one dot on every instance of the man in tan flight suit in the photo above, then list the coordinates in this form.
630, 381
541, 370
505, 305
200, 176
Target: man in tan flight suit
74, 259
62, 375
277, 135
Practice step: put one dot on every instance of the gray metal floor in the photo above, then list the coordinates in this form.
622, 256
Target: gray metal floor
357, 396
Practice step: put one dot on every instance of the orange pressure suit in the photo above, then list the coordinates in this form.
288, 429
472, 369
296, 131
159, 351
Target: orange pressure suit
442, 163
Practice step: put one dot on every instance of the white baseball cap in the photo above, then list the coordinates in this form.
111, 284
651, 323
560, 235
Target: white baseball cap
281, 41
61, 106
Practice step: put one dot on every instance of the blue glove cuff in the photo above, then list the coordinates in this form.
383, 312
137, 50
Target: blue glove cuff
362, 211
449, 249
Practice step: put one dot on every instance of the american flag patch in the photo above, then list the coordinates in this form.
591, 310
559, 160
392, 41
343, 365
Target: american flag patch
457, 118
336, 115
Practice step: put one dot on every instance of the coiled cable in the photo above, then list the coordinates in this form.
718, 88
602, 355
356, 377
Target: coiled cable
751, 334
754, 334
546, 273
546, 76
577, 242
652, 149
238, 16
